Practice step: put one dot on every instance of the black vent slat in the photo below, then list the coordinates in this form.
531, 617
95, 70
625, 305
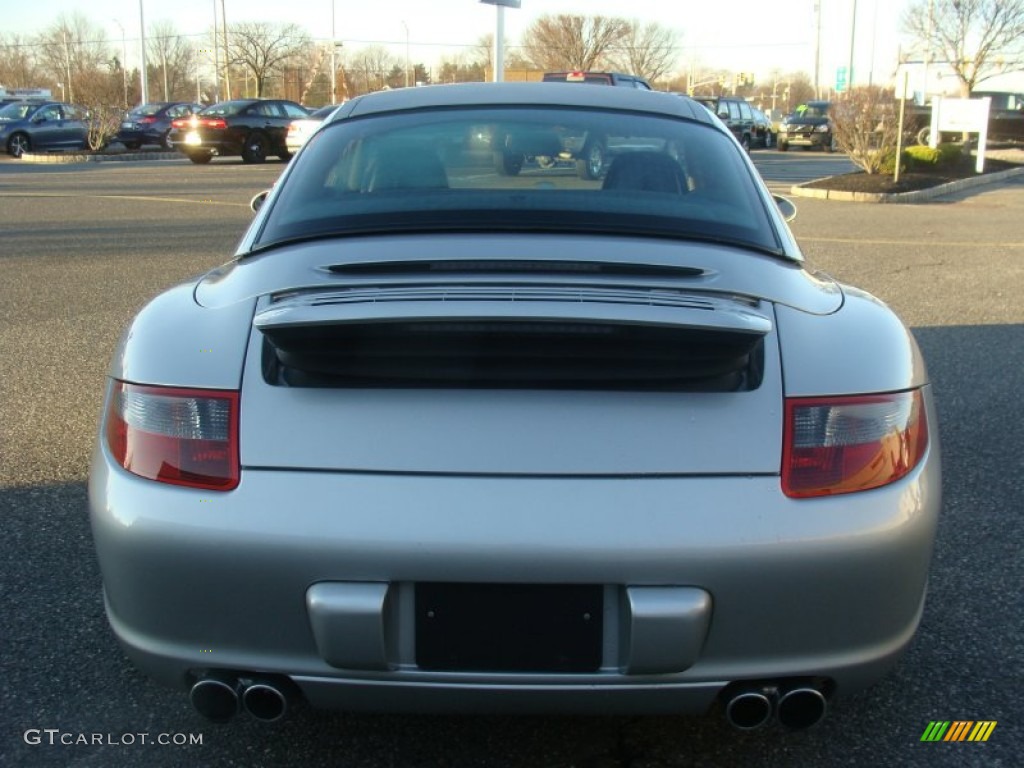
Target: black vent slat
512, 336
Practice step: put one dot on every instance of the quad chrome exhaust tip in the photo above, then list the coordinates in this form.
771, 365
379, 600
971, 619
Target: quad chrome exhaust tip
749, 709
801, 707
265, 701
216, 697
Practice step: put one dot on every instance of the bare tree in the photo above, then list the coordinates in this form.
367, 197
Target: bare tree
976, 38
263, 49
71, 51
463, 67
649, 50
569, 41
369, 68
18, 68
172, 60
865, 125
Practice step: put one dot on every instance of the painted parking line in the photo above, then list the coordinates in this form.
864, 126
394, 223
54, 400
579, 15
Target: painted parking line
141, 198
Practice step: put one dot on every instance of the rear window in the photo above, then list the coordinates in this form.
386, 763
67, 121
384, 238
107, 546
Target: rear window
518, 169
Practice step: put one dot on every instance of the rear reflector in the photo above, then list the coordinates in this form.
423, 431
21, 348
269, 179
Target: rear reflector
847, 444
180, 436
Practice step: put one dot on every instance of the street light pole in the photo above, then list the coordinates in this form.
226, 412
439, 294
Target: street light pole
334, 63
406, 27
142, 51
817, 50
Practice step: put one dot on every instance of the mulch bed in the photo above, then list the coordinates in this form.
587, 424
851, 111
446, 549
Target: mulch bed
909, 182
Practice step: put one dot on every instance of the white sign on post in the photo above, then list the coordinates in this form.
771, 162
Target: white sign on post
961, 116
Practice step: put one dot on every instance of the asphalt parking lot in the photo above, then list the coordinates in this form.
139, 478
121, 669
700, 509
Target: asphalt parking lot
83, 247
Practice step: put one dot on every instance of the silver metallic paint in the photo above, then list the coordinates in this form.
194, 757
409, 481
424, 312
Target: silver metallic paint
828, 587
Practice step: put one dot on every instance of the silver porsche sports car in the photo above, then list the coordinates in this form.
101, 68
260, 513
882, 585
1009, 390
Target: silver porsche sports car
517, 397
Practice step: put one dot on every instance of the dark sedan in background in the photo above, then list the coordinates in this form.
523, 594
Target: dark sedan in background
252, 128
151, 123
34, 125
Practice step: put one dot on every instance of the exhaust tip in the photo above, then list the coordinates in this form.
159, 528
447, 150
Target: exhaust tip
801, 707
215, 698
265, 702
748, 710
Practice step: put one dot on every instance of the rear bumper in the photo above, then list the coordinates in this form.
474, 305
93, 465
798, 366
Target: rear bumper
705, 580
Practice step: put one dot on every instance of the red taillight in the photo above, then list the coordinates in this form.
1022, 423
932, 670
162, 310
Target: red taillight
179, 436
844, 444
214, 122
146, 120
182, 122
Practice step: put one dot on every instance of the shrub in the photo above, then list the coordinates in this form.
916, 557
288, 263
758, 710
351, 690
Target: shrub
942, 156
886, 162
866, 126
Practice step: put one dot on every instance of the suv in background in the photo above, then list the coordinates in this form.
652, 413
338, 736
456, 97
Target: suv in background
598, 78
809, 126
738, 116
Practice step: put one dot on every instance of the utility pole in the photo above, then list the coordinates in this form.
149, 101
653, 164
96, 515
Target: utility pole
216, 58
67, 65
124, 63
227, 63
853, 33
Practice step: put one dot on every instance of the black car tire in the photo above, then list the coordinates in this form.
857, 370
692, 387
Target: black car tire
165, 140
783, 146
255, 148
830, 145
508, 163
745, 142
132, 144
592, 164
767, 139
200, 158
19, 144
286, 155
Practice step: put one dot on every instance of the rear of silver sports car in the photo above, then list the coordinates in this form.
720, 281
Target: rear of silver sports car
474, 492
530, 471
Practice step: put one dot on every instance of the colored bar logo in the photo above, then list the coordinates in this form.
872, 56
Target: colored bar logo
958, 730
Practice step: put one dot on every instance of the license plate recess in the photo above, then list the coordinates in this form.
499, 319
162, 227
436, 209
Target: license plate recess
509, 627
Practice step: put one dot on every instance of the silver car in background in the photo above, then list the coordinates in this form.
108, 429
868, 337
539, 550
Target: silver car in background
444, 437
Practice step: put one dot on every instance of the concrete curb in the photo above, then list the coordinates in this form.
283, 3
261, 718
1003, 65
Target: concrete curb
82, 157
802, 190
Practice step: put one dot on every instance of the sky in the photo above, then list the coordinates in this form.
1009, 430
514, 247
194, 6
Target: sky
757, 36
